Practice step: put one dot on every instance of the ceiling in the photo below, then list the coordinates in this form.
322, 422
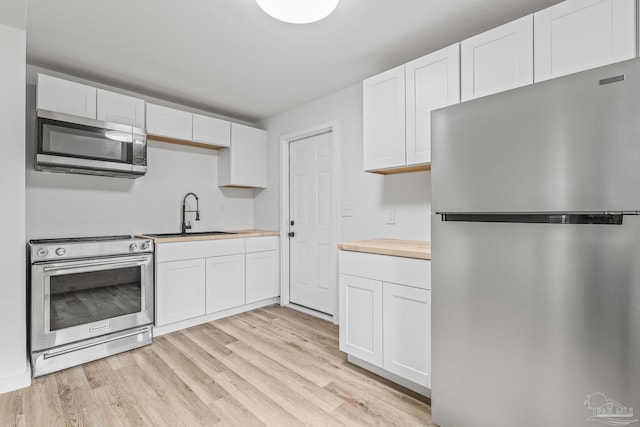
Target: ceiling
230, 58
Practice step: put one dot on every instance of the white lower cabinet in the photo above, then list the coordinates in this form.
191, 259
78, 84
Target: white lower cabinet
180, 290
201, 278
262, 269
361, 314
407, 315
385, 313
225, 282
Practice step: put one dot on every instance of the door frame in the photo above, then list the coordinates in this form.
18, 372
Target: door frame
285, 143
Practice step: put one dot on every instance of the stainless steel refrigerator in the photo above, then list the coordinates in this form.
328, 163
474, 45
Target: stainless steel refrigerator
536, 254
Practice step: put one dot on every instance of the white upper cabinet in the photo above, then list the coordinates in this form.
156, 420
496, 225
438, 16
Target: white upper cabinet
209, 130
577, 35
116, 108
244, 163
67, 97
384, 120
397, 110
169, 122
498, 60
433, 82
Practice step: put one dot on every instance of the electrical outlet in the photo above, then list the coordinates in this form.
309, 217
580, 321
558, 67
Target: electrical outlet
222, 208
347, 212
391, 216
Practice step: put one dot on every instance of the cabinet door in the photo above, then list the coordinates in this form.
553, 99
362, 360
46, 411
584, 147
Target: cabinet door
384, 120
225, 282
262, 276
209, 130
361, 318
67, 97
169, 122
498, 60
577, 35
116, 108
433, 82
180, 291
244, 164
407, 332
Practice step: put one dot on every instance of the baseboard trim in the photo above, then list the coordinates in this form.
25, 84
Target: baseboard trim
424, 391
16, 382
166, 329
310, 312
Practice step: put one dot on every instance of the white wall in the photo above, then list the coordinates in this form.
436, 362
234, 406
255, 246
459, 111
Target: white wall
64, 205
369, 195
14, 371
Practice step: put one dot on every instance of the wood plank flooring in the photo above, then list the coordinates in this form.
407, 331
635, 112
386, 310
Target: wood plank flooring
273, 366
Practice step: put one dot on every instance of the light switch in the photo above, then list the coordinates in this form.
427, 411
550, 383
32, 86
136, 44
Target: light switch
391, 216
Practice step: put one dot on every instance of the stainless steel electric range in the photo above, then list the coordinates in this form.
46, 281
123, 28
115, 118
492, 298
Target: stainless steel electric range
89, 298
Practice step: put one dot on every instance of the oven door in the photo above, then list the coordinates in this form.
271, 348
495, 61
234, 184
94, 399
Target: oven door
77, 300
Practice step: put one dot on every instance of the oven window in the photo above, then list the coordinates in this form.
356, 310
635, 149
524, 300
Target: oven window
83, 298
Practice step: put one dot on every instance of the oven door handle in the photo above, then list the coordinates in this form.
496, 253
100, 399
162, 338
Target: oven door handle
82, 265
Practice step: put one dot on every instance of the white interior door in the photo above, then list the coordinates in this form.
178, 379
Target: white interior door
312, 262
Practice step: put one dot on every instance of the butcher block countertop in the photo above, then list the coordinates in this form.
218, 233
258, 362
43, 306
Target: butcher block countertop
236, 234
405, 248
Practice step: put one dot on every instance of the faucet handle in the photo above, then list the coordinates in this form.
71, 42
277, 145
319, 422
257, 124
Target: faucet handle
187, 225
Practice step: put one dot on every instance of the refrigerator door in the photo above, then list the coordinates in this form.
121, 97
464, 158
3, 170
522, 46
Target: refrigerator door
568, 144
535, 324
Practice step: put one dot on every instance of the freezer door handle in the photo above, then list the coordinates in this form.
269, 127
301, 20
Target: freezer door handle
592, 219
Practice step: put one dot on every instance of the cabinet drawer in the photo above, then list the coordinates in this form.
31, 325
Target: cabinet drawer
392, 269
259, 244
200, 249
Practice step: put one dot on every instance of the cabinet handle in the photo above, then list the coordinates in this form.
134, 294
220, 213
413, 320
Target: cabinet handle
292, 234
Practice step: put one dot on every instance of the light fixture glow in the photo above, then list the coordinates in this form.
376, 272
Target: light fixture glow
119, 136
298, 11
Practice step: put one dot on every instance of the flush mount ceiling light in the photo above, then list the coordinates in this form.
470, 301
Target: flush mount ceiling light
298, 11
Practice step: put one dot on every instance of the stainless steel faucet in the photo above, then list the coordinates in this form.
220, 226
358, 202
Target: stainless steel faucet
187, 226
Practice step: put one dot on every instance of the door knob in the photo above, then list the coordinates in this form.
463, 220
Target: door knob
292, 234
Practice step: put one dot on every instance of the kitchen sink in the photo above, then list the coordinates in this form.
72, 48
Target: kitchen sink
199, 233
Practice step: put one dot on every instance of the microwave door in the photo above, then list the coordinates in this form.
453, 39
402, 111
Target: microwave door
73, 144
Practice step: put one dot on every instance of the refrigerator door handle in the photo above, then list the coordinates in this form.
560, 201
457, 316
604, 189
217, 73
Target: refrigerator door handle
539, 218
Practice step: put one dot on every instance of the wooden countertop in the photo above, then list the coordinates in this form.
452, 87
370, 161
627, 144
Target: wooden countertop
236, 235
404, 248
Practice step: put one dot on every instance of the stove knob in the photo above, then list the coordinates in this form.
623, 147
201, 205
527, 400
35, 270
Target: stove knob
60, 251
43, 252
133, 247
144, 246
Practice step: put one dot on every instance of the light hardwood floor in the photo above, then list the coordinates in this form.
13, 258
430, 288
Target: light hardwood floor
272, 366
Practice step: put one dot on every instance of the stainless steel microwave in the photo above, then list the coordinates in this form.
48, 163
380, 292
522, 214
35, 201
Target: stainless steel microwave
73, 144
